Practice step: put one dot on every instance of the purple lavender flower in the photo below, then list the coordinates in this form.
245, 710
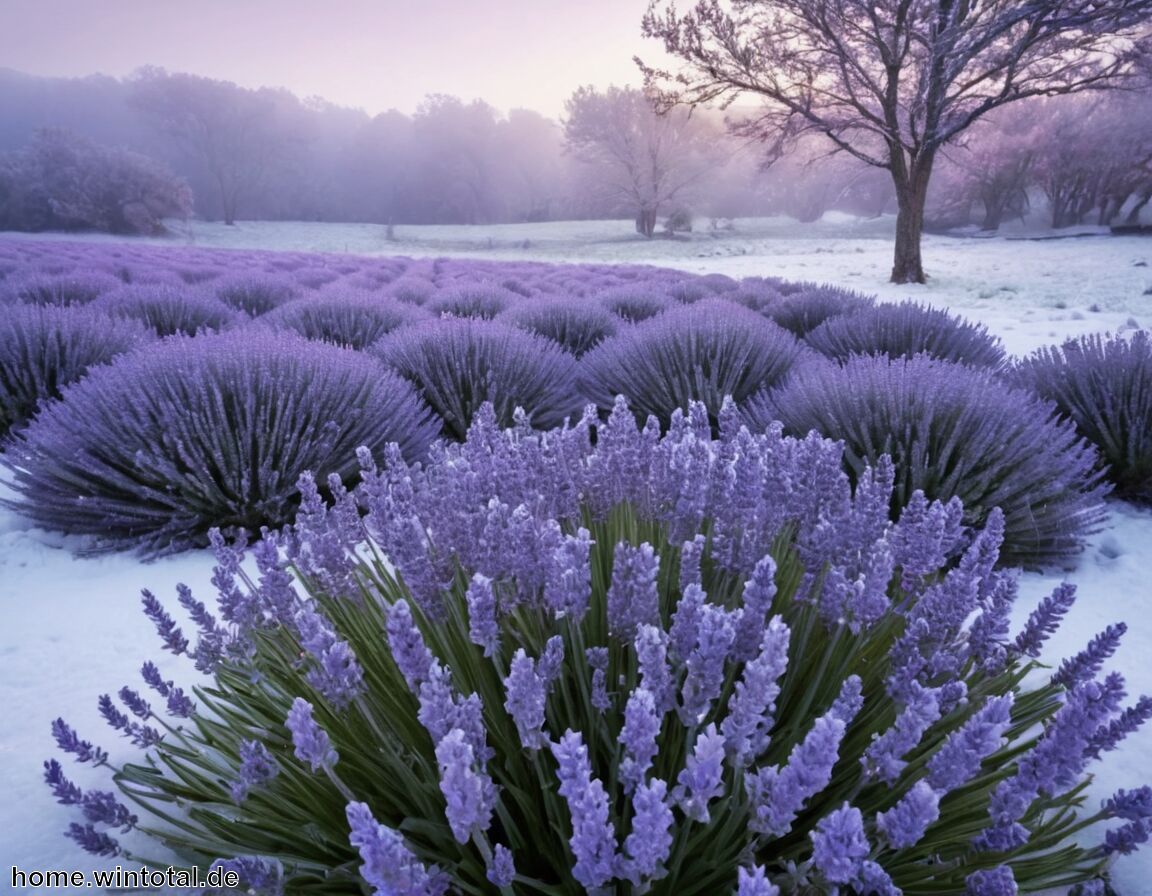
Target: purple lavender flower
102, 807
1045, 619
1108, 737
998, 881
652, 658
568, 587
1053, 764
639, 734
468, 792
411, 655
178, 703
752, 882
257, 767
648, 845
166, 627
849, 701
257, 874
527, 695
959, 759
883, 758
685, 628
1086, 664
905, 823
926, 534
701, 779
68, 741
1136, 807
691, 553
593, 840
632, 597
551, 662
501, 868
752, 707
93, 841
65, 792
138, 706
597, 658
483, 628
141, 735
777, 795
388, 864
309, 740
759, 592
706, 663
839, 845
211, 641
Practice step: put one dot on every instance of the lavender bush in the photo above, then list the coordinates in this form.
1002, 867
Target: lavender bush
1104, 385
634, 303
254, 294
472, 299
459, 364
904, 330
44, 348
168, 309
192, 434
577, 326
953, 431
700, 352
352, 319
598, 660
802, 307
59, 289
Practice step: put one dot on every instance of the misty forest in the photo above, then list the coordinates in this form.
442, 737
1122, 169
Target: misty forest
732, 479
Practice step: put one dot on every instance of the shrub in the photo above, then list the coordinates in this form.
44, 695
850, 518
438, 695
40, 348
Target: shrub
633, 304
554, 687
802, 307
355, 320
578, 326
459, 364
1105, 387
953, 431
904, 330
413, 290
169, 310
701, 352
480, 300
44, 348
61, 181
254, 294
194, 433
60, 289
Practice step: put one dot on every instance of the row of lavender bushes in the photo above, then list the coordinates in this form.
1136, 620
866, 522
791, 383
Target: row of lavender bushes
690, 656
935, 392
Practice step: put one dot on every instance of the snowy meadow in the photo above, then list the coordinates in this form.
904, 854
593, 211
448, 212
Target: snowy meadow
714, 634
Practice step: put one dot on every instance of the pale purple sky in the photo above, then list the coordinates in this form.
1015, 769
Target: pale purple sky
374, 54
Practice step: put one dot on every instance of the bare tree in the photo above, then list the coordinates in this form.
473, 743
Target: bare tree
642, 159
234, 133
893, 81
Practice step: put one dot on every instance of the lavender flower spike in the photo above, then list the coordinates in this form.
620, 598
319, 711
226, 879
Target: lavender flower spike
701, 779
705, 678
309, 739
1045, 619
884, 756
650, 842
388, 864
411, 655
527, 695
752, 882
257, 767
632, 597
998, 881
641, 728
68, 741
593, 840
470, 794
750, 711
839, 845
483, 628
905, 824
501, 869
777, 795
958, 761
1086, 664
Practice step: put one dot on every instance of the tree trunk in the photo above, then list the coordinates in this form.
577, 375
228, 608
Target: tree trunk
1134, 213
911, 197
646, 222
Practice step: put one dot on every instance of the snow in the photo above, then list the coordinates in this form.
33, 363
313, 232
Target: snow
72, 625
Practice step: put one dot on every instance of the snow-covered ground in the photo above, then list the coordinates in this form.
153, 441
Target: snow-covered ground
72, 627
